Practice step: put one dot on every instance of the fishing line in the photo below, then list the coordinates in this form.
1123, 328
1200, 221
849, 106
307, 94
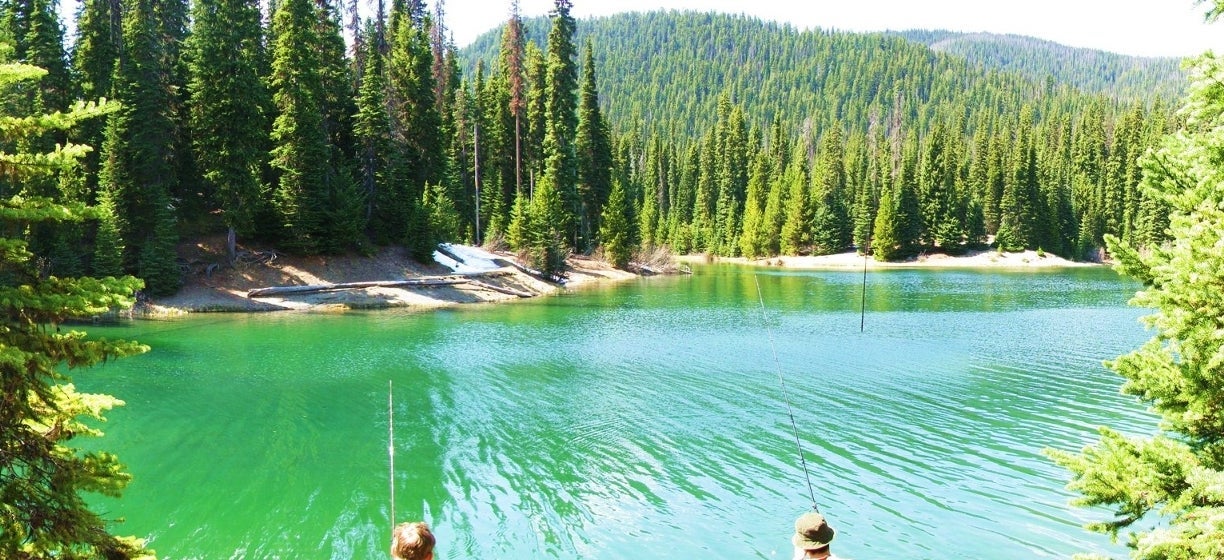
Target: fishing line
789, 410
391, 446
863, 304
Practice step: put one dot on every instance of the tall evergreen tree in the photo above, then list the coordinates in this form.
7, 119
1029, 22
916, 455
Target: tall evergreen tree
830, 212
139, 169
314, 198
561, 81
797, 229
39, 41
416, 124
616, 228
379, 166
754, 240
1175, 474
44, 513
513, 67
594, 156
99, 32
1018, 213
909, 214
228, 109
886, 239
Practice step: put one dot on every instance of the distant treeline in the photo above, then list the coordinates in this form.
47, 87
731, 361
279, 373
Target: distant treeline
701, 132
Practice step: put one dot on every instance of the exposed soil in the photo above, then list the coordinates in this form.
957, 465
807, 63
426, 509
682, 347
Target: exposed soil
212, 285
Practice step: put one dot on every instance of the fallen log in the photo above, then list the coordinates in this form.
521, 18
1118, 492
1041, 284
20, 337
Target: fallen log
510, 291
445, 250
318, 288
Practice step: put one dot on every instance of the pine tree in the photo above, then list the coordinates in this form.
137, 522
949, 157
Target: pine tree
615, 231
797, 229
594, 153
1019, 211
518, 232
546, 247
513, 67
42, 478
754, 240
1175, 474
561, 111
379, 166
909, 213
95, 51
830, 216
139, 150
316, 202
416, 122
886, 239
228, 108
39, 41
537, 115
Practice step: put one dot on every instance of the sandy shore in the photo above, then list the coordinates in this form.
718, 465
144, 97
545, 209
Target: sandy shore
483, 278
210, 287
972, 259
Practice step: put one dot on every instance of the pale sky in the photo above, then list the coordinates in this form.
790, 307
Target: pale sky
1136, 27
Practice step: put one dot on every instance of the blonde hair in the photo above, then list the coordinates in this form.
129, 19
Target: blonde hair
412, 541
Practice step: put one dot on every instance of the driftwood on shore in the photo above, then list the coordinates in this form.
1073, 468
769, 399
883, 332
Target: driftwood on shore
427, 282
317, 288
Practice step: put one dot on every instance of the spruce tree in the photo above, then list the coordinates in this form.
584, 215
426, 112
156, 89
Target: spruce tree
228, 108
561, 84
139, 150
885, 238
546, 246
615, 231
754, 240
416, 123
380, 170
518, 231
797, 229
513, 67
95, 50
594, 153
317, 203
42, 477
1174, 475
830, 215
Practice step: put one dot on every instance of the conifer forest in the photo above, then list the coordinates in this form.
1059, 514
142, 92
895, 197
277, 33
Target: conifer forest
316, 129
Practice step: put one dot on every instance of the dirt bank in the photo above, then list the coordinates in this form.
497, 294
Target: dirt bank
211, 286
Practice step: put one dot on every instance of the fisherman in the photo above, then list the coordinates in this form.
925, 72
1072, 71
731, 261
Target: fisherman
412, 541
812, 537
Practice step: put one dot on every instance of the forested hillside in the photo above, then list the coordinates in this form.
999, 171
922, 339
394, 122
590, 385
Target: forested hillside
737, 136
697, 132
668, 68
1088, 70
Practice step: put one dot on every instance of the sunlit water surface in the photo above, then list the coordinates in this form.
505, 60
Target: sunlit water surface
637, 421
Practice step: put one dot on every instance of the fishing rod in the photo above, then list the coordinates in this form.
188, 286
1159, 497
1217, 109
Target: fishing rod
391, 446
863, 303
789, 410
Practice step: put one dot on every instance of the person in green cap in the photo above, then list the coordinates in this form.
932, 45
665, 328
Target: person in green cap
812, 537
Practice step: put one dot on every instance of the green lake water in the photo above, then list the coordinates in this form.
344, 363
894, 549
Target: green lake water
636, 421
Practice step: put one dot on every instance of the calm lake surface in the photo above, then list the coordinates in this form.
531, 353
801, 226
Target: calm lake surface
642, 420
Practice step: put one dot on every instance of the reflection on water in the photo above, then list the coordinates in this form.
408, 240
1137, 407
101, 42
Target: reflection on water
640, 421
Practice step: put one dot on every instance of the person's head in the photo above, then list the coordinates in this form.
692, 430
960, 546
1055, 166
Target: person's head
812, 536
412, 541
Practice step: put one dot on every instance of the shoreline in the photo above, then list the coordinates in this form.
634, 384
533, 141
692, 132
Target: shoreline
980, 260
480, 277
